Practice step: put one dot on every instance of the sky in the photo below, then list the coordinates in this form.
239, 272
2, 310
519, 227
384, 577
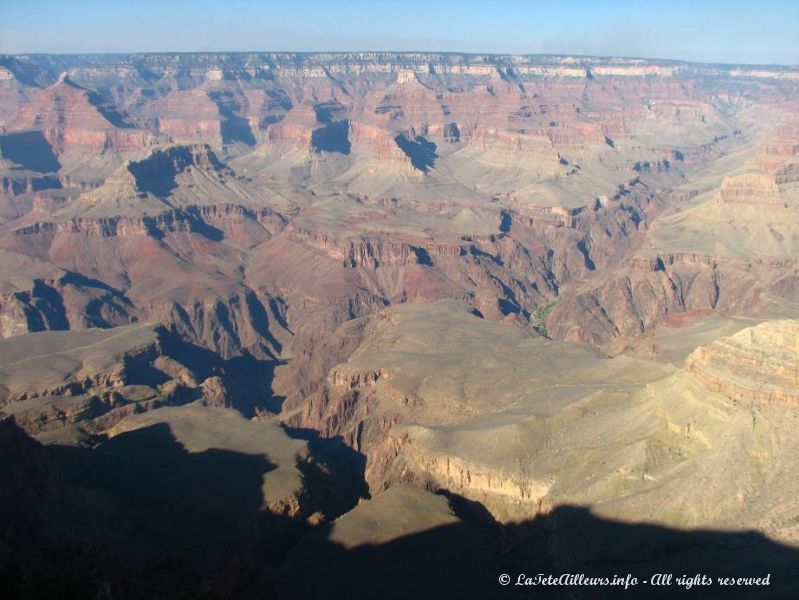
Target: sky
727, 31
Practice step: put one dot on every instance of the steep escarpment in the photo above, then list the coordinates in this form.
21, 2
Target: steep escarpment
293, 193
96, 253
156, 174
121, 250
326, 279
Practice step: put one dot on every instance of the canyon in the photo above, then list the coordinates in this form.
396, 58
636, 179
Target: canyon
268, 313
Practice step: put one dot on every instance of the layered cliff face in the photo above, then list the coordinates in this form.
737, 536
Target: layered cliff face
500, 106
757, 365
752, 188
71, 116
178, 208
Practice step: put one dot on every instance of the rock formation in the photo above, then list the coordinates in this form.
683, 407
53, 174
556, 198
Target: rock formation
757, 365
259, 310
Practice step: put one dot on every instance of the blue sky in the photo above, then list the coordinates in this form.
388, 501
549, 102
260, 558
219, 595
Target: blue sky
700, 30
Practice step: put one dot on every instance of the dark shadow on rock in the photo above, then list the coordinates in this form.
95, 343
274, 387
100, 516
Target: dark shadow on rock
583, 248
156, 173
28, 72
490, 531
234, 128
249, 381
145, 519
465, 560
247, 378
452, 133
50, 306
260, 320
141, 517
422, 256
333, 137
340, 483
580, 542
506, 221
420, 151
199, 225
80, 280
30, 150
45, 310
447, 562
278, 307
507, 308
109, 309
45, 182
278, 98
326, 112
108, 110
477, 253
182, 498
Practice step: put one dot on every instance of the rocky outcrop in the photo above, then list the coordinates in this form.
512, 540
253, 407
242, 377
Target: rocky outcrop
725, 272
751, 188
787, 174
378, 142
16, 185
625, 307
758, 365
373, 253
93, 379
228, 326
512, 142
505, 493
157, 172
295, 129
184, 116
58, 301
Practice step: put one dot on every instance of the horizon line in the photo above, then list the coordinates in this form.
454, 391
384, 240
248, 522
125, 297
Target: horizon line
398, 52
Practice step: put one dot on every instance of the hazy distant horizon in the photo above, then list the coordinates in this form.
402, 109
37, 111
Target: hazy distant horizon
406, 51
706, 31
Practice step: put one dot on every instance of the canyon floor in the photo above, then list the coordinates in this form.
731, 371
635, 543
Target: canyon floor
392, 324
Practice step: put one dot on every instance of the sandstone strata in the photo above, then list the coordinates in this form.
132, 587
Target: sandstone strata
758, 365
